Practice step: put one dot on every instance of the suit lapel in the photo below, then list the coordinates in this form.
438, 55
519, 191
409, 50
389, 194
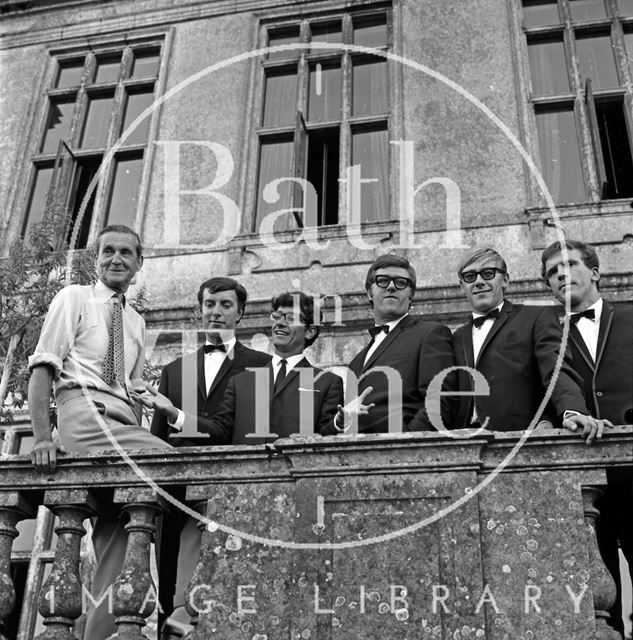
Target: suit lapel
290, 376
496, 325
605, 325
226, 365
466, 336
581, 346
202, 385
389, 338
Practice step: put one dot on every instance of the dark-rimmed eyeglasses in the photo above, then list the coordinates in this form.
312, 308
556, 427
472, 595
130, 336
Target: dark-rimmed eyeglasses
398, 282
487, 274
289, 318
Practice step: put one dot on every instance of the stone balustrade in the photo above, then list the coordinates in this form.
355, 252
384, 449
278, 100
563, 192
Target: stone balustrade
400, 536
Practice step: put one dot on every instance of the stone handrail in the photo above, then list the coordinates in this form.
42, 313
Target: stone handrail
401, 536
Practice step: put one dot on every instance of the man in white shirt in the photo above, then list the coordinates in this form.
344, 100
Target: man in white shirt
601, 342
90, 349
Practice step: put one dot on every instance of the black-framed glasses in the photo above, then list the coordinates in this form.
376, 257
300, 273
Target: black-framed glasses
487, 274
289, 318
398, 282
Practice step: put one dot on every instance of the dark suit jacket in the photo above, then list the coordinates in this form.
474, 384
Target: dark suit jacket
608, 383
236, 417
417, 350
206, 405
517, 359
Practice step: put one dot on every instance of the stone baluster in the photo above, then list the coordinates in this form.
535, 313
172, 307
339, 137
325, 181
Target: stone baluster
197, 590
13, 508
134, 594
602, 583
61, 596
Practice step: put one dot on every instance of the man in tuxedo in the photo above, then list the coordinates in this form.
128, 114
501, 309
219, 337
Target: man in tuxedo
403, 356
601, 342
515, 347
289, 396
190, 391
191, 388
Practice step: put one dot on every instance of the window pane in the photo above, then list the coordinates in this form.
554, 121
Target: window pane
587, 10
540, 13
136, 104
370, 149
560, 156
43, 177
596, 61
69, 74
280, 99
59, 120
628, 41
329, 33
97, 123
548, 68
127, 180
145, 65
625, 7
325, 93
370, 33
275, 161
616, 148
370, 90
108, 69
286, 36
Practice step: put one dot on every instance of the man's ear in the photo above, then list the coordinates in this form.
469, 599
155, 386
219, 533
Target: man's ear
240, 316
310, 331
140, 262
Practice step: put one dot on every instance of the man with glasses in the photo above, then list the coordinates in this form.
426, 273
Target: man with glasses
289, 396
516, 348
392, 373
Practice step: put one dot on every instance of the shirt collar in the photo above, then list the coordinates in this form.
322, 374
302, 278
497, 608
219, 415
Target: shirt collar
229, 344
597, 309
478, 315
392, 323
102, 291
291, 361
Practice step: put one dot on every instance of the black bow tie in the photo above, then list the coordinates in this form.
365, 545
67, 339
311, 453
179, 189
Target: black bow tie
477, 322
587, 313
374, 331
210, 348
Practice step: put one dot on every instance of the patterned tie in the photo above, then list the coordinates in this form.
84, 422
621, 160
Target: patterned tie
114, 364
281, 374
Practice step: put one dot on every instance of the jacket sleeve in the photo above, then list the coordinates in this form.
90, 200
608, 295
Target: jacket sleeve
333, 397
159, 426
220, 427
436, 355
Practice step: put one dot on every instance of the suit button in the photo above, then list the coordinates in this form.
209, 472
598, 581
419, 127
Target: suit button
205, 414
599, 394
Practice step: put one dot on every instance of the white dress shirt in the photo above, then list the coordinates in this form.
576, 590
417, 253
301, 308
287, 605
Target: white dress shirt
291, 363
481, 333
381, 336
212, 363
590, 329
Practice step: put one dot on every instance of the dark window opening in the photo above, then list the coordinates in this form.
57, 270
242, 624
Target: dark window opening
323, 154
616, 149
85, 171
19, 571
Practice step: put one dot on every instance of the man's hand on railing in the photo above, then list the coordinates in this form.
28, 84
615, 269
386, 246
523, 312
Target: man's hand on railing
592, 428
44, 455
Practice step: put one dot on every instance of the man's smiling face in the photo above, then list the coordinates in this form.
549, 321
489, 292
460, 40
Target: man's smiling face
485, 295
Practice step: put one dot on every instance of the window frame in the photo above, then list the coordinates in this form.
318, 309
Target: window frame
277, 21
591, 160
126, 50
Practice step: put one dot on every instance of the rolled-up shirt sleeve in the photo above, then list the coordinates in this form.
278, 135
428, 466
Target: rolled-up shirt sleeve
58, 331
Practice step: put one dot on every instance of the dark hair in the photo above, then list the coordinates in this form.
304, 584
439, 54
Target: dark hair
481, 253
120, 228
306, 308
587, 252
389, 260
214, 285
